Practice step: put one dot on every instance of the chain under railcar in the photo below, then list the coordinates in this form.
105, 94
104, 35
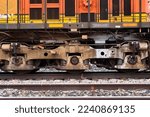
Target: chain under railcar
74, 35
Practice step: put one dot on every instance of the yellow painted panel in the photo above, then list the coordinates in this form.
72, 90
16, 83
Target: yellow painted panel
54, 21
129, 24
36, 21
103, 21
55, 25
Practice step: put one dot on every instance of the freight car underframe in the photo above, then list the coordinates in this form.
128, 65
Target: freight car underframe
74, 55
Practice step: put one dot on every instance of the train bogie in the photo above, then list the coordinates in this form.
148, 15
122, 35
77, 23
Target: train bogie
130, 55
74, 35
16, 57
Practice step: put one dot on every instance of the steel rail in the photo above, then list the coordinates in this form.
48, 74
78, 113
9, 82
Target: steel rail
68, 86
85, 75
72, 86
80, 98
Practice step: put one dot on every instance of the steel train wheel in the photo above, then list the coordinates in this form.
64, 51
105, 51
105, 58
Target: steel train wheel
36, 64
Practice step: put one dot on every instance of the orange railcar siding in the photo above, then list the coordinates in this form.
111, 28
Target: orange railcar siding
80, 6
12, 6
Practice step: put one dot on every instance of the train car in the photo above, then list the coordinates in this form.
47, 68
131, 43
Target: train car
74, 35
74, 13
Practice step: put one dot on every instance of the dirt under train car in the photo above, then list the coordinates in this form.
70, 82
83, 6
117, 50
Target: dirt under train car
74, 35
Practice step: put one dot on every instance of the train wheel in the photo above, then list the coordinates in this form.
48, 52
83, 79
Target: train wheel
36, 63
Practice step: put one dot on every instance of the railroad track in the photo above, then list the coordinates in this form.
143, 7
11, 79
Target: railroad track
80, 98
65, 84
43, 85
85, 75
52, 88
